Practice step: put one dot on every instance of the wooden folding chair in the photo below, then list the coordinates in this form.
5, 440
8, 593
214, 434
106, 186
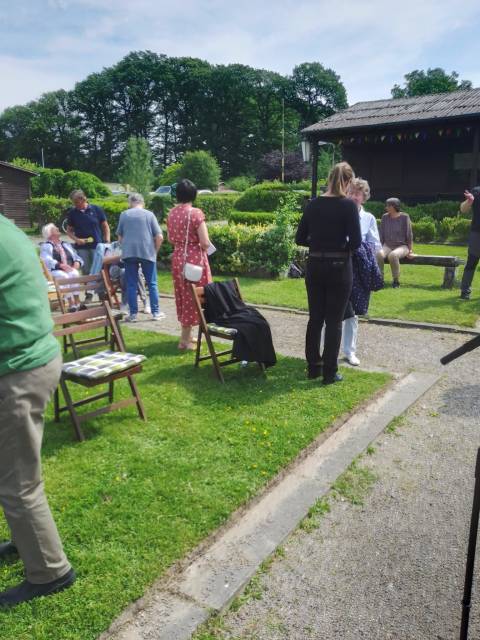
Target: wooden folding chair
103, 367
88, 283
51, 289
209, 329
113, 288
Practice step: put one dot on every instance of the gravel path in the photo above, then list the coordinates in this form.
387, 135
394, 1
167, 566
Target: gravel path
393, 568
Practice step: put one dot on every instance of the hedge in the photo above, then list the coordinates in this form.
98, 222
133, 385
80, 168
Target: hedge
435, 210
266, 197
53, 209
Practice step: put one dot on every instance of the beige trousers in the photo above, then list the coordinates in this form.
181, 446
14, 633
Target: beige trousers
393, 256
23, 398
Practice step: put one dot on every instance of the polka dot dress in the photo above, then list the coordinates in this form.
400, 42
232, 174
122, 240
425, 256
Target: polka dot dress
177, 229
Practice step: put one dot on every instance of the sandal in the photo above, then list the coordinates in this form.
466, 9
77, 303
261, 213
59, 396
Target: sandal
187, 346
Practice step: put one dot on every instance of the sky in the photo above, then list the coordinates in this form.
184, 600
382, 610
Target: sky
52, 44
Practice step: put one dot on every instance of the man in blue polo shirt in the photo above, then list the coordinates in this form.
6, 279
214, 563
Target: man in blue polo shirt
87, 226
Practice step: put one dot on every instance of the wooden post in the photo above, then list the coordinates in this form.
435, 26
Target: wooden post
474, 172
314, 167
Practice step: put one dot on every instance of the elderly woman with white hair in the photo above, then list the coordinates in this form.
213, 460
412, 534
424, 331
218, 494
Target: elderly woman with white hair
61, 259
141, 237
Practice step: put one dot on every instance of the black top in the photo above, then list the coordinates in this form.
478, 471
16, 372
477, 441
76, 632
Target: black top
476, 209
330, 224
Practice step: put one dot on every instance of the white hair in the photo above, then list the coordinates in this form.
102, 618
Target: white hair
47, 230
135, 198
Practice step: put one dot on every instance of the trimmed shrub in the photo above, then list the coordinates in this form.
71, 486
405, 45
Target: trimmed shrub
160, 205
375, 207
445, 228
252, 217
53, 209
47, 209
57, 183
439, 210
423, 231
201, 168
217, 207
170, 175
240, 183
266, 198
460, 230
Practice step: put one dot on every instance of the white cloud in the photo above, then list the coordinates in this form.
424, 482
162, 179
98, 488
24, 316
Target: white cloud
27, 80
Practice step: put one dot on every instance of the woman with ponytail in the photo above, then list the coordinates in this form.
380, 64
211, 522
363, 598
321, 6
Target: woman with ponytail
330, 228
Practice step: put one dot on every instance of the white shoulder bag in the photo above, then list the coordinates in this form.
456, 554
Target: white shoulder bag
191, 272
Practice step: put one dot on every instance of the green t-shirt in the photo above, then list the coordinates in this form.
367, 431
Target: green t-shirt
26, 339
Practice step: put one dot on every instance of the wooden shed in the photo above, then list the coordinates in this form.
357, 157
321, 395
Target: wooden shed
418, 149
15, 193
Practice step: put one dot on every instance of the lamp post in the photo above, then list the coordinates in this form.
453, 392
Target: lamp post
310, 150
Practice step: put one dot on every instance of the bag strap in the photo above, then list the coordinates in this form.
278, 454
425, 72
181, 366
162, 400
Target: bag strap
186, 238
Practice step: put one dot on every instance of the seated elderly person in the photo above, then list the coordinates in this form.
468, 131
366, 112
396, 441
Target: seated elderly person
61, 260
396, 237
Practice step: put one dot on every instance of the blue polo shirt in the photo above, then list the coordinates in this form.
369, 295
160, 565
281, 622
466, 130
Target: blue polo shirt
86, 224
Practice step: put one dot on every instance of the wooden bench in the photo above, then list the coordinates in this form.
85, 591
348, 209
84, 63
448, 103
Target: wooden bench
450, 263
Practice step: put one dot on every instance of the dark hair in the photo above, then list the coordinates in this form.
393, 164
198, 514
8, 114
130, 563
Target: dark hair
393, 202
186, 191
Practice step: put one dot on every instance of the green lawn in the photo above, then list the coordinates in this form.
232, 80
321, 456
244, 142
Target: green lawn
136, 497
419, 298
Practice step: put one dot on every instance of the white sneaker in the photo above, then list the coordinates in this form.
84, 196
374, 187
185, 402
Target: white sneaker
353, 360
158, 316
131, 318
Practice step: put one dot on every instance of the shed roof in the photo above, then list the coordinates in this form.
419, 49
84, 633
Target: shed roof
14, 166
439, 106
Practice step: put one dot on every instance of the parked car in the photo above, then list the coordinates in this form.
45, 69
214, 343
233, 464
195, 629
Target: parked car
165, 190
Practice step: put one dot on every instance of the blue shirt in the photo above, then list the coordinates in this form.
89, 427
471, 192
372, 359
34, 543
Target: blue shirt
87, 224
138, 228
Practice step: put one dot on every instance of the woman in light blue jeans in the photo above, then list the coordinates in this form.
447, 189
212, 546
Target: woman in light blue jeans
141, 237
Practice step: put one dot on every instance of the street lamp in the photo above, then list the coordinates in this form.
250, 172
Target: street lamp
306, 148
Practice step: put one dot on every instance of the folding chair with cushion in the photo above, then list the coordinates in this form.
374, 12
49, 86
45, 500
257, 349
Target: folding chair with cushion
94, 282
103, 367
211, 329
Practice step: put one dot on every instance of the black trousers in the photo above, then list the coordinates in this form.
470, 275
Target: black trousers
329, 284
472, 261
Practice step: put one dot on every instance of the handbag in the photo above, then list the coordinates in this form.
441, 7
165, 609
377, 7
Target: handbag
191, 272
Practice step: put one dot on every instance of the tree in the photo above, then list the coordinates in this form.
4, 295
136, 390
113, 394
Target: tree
136, 169
421, 83
170, 174
25, 163
201, 168
270, 167
317, 92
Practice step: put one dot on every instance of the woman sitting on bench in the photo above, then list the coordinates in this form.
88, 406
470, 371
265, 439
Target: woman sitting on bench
396, 237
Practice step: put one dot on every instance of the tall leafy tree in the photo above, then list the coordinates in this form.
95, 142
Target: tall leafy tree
317, 91
421, 83
136, 169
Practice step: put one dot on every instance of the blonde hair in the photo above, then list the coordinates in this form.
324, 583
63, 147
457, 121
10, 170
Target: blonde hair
359, 184
339, 178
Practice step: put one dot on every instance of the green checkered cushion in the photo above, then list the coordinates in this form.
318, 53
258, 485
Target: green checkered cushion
224, 331
102, 364
51, 286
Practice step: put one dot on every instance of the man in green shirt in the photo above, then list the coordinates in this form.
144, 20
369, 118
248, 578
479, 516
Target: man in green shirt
30, 366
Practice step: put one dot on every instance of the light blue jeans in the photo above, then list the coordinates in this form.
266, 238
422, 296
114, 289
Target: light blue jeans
350, 331
149, 269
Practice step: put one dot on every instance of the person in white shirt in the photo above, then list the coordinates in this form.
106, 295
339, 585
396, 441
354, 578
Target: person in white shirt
359, 192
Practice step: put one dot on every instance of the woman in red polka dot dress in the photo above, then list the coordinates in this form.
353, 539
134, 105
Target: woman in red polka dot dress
197, 245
